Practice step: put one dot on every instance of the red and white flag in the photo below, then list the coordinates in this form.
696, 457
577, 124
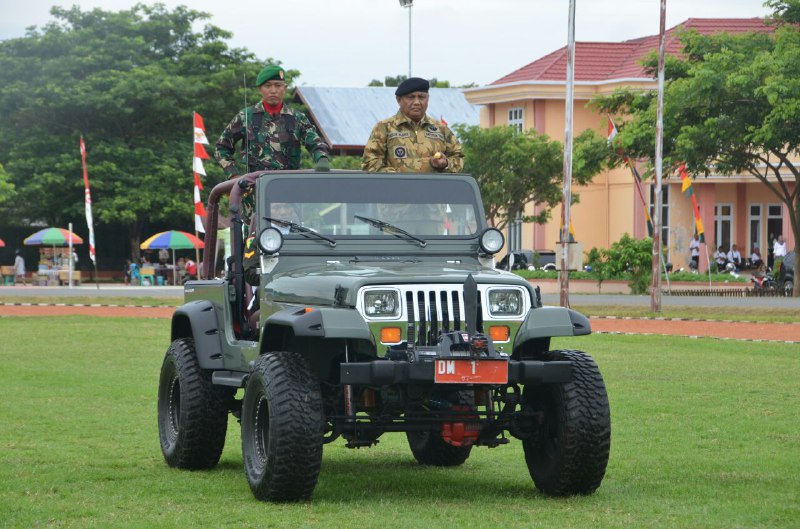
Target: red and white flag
200, 154
199, 130
612, 129
88, 202
199, 209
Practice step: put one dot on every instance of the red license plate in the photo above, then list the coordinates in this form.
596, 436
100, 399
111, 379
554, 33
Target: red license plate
468, 371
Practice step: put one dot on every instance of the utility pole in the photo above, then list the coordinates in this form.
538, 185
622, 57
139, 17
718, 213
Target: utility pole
655, 290
566, 195
409, 4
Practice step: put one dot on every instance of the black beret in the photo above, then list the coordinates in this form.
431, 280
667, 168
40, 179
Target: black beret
413, 84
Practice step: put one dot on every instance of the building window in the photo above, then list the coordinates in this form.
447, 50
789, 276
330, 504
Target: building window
516, 118
774, 222
755, 228
723, 225
664, 212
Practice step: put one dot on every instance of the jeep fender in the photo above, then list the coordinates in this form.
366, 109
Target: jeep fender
323, 322
198, 320
546, 322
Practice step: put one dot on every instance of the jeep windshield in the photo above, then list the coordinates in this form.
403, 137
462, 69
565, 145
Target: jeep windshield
424, 207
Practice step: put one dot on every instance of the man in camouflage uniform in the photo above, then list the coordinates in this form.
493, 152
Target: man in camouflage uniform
274, 132
412, 141
271, 135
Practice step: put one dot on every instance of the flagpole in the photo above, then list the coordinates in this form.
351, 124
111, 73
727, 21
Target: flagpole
708, 265
566, 196
655, 290
89, 218
196, 233
69, 257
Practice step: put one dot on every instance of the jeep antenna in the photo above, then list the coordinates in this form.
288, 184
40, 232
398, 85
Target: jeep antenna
246, 135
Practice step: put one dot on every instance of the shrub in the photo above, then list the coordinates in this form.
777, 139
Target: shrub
627, 257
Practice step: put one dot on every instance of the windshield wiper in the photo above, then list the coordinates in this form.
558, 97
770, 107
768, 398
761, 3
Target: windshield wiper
302, 230
392, 229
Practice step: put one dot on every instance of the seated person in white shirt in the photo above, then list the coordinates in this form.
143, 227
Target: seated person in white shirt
720, 258
735, 257
755, 258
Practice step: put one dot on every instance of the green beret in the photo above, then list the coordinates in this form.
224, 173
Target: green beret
273, 71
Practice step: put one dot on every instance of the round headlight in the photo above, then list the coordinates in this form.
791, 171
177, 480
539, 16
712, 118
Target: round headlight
492, 241
270, 240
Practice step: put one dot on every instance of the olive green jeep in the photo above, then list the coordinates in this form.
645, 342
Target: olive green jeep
378, 309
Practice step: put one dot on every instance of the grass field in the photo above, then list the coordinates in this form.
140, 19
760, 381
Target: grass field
705, 435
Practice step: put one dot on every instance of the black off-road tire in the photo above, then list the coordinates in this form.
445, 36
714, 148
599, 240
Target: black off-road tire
429, 448
788, 288
192, 412
282, 428
569, 453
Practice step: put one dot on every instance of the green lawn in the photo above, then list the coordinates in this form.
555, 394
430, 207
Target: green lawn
705, 434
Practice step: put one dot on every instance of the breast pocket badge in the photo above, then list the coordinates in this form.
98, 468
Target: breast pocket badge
400, 152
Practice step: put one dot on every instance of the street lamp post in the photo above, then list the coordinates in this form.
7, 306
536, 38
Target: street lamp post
408, 4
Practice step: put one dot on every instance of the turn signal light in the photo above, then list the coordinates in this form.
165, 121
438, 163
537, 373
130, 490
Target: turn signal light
499, 333
390, 335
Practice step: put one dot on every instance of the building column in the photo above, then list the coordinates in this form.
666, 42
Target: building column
538, 115
741, 218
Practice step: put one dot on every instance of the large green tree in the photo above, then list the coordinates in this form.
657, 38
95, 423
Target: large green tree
127, 81
731, 106
515, 168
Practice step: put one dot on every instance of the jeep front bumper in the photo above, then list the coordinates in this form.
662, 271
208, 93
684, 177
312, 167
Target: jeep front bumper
387, 372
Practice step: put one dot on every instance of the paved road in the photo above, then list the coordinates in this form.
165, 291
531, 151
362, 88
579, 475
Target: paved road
109, 290
548, 299
666, 301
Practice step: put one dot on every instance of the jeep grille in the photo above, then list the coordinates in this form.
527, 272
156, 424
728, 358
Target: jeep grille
431, 311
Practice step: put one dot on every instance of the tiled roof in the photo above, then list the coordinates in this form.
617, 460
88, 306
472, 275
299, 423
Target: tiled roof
603, 61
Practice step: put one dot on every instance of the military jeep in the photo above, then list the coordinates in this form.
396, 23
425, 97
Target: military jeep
377, 310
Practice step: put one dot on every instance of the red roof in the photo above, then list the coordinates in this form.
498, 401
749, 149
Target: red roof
602, 61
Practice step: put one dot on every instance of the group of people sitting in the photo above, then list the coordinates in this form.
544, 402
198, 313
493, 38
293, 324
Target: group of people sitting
733, 260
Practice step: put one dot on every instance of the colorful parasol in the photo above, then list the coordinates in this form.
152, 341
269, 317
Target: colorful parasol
172, 240
52, 237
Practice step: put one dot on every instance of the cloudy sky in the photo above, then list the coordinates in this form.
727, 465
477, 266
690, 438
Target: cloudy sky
350, 42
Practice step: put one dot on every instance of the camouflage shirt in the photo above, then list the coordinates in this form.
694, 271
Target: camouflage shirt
273, 142
400, 145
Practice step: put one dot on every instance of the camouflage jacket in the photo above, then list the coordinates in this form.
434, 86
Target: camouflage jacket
273, 143
399, 145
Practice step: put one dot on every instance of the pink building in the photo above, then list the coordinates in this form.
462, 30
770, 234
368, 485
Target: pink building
735, 209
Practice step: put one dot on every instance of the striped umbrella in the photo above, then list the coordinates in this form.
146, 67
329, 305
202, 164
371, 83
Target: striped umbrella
52, 237
172, 240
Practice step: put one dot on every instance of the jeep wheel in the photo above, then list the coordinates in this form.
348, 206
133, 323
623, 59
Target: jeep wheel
429, 448
282, 428
569, 452
788, 288
192, 412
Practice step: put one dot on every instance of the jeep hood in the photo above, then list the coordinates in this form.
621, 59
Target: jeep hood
317, 284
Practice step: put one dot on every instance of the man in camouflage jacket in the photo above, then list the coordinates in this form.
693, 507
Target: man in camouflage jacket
274, 132
412, 141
